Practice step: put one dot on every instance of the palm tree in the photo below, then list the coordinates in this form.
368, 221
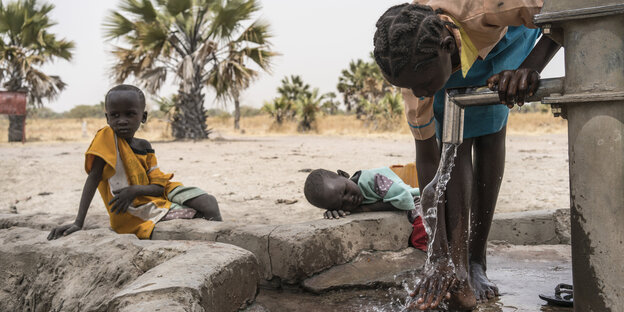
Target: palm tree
308, 105
25, 46
292, 89
278, 109
362, 81
350, 84
231, 75
200, 42
330, 105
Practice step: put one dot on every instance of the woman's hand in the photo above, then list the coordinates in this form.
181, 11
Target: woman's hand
514, 86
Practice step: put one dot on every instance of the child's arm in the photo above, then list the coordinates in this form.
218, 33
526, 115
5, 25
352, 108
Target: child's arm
515, 85
376, 206
124, 197
93, 179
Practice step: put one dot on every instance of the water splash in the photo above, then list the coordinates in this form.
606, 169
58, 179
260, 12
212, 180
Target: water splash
436, 189
432, 195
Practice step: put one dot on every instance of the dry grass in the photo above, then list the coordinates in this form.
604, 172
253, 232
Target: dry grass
45, 130
536, 123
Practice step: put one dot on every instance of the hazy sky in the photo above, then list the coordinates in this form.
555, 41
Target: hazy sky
316, 40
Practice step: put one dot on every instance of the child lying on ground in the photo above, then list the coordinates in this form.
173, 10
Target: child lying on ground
124, 169
368, 190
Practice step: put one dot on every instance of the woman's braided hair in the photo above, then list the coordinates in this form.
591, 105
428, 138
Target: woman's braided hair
406, 29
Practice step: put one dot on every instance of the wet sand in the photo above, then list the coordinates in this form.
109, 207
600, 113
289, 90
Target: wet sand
257, 179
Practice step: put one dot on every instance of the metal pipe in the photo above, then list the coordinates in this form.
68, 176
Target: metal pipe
453, 129
483, 96
456, 99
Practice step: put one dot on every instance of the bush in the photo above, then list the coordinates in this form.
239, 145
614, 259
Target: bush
85, 111
217, 112
248, 111
43, 112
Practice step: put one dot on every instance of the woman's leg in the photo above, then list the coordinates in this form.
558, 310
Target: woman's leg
427, 159
458, 196
489, 165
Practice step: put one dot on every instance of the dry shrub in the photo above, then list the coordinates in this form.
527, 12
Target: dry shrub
536, 123
70, 129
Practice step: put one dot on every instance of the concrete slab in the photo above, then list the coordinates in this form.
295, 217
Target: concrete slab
84, 271
298, 251
49, 221
293, 252
370, 270
213, 277
541, 227
254, 238
194, 229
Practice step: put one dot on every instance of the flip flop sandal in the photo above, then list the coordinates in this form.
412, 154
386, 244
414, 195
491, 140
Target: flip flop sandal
562, 297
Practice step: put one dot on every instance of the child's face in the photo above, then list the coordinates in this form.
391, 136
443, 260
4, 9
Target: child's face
124, 113
341, 194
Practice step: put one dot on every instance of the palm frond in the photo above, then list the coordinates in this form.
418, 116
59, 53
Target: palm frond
258, 32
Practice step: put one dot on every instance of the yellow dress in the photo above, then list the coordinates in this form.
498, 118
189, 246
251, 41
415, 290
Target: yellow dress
125, 166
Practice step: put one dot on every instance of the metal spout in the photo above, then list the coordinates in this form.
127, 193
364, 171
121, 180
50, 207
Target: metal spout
456, 99
453, 127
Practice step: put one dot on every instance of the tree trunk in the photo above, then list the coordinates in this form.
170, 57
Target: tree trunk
16, 127
189, 121
236, 114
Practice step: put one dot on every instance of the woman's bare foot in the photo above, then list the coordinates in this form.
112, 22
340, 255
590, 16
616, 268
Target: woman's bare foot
484, 289
462, 297
435, 285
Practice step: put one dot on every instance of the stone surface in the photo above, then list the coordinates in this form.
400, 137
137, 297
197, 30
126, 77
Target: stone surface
219, 278
562, 225
541, 227
194, 229
370, 270
48, 221
298, 251
85, 270
293, 252
80, 272
254, 238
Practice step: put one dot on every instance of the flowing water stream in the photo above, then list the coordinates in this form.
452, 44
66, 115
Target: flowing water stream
433, 194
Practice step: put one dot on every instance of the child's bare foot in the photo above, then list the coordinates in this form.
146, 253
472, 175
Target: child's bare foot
484, 289
462, 297
434, 286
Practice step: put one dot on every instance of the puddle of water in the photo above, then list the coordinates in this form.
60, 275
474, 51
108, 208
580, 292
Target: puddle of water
521, 273
366, 300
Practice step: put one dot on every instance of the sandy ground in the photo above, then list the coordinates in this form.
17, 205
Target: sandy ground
249, 175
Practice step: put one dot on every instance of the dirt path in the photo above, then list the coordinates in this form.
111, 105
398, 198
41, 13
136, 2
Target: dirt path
249, 174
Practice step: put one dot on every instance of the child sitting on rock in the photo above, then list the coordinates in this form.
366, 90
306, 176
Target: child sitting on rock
367, 190
124, 169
